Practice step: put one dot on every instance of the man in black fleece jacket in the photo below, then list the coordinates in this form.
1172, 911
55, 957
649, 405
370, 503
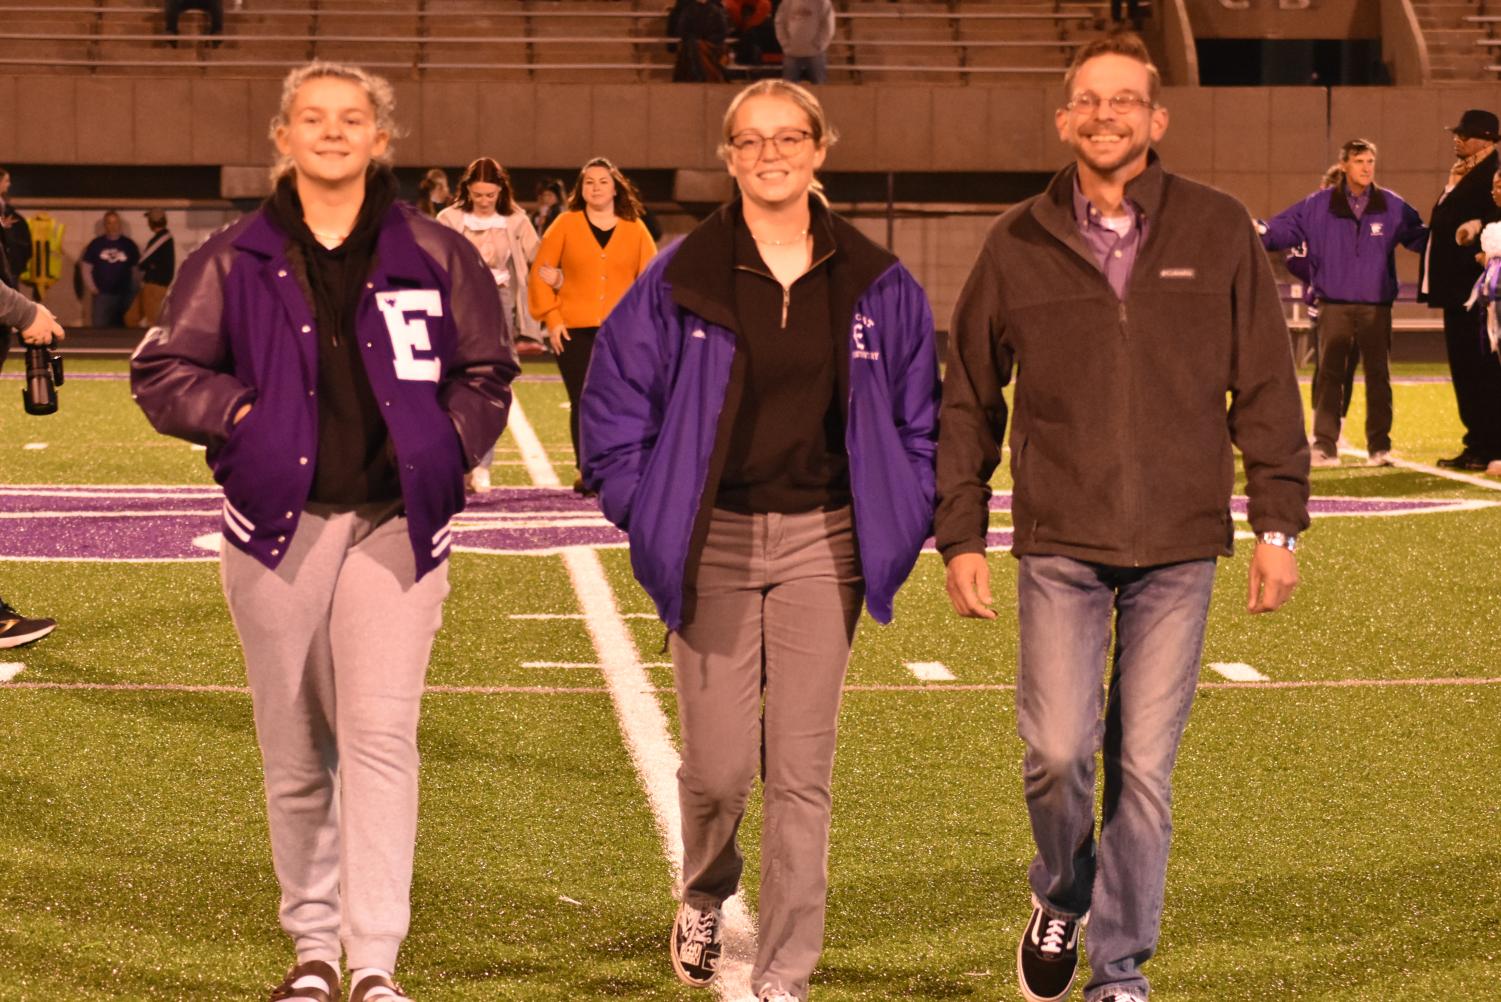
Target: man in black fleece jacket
1131, 303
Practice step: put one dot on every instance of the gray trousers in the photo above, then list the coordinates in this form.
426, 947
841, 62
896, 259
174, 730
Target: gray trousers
336, 644
1343, 327
759, 672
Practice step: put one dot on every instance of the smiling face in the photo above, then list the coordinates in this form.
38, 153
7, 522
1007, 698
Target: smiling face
331, 134
771, 152
483, 196
1105, 140
598, 189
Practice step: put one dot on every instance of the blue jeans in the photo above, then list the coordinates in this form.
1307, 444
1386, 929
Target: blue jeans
813, 69
1064, 718
109, 309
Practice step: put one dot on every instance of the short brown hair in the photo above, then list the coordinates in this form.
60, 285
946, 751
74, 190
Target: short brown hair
1117, 43
1355, 147
627, 202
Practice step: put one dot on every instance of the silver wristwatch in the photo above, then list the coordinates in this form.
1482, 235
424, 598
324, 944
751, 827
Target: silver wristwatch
1282, 539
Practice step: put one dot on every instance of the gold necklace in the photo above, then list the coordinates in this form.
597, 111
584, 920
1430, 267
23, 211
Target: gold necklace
779, 243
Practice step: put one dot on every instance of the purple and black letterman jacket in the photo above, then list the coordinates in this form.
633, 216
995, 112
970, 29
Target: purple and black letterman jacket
239, 328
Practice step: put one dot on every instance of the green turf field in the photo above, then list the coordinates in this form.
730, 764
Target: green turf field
1336, 826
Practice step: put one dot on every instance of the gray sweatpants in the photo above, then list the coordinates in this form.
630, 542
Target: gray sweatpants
777, 599
336, 644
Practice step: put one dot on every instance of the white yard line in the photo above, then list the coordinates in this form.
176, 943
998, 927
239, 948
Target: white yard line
1434, 471
929, 671
576, 615
1237, 671
34, 446
643, 725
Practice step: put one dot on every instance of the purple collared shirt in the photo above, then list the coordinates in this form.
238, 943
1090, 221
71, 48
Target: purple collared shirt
1359, 202
1114, 251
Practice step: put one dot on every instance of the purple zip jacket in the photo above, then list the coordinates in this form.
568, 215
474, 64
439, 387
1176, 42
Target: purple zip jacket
238, 328
1353, 258
663, 364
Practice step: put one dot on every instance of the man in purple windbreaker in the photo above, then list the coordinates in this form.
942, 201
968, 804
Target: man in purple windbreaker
1352, 231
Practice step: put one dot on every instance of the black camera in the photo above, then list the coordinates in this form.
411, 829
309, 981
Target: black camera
44, 374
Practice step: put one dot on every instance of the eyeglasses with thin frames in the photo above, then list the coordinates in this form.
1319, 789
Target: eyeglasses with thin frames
1123, 103
750, 146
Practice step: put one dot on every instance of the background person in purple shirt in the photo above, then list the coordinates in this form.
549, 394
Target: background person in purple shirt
108, 272
1352, 231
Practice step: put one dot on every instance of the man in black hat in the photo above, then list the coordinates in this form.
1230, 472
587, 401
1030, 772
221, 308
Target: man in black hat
1448, 273
157, 266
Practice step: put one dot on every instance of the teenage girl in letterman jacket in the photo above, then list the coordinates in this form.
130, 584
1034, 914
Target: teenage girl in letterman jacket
345, 361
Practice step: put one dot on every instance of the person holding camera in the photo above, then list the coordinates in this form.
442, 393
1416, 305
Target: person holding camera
37, 326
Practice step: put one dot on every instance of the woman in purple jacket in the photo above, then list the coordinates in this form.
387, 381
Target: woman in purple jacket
760, 417
345, 360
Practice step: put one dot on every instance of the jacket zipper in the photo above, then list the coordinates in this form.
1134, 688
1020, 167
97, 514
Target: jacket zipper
1134, 490
786, 289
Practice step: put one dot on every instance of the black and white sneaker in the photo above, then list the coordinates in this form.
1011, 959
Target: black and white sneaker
16, 629
1048, 955
1119, 995
696, 944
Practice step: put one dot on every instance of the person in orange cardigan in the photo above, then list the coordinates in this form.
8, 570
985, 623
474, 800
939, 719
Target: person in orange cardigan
588, 258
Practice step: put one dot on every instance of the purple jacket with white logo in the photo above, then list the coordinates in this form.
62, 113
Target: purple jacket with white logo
1351, 259
665, 361
238, 328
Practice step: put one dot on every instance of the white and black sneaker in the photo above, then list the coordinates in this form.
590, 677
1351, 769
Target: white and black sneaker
1048, 955
696, 944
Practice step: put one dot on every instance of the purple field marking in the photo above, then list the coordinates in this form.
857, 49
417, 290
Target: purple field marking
147, 522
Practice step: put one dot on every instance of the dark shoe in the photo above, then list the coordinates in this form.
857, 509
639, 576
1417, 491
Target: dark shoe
371, 982
1048, 955
1466, 460
314, 969
16, 629
582, 489
696, 944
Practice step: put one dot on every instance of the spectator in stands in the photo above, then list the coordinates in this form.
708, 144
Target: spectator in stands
487, 213
805, 28
550, 196
308, 345
595, 250
701, 28
108, 265
732, 424
1352, 231
748, 20
1447, 277
157, 266
435, 192
213, 8
1129, 305
15, 237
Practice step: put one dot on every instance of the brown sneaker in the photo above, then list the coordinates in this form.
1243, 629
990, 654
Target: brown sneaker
311, 969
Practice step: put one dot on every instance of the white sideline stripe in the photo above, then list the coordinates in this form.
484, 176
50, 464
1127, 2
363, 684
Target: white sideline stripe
1435, 471
576, 615
35, 446
574, 690
533, 456
929, 671
643, 725
10, 669
1237, 671
587, 664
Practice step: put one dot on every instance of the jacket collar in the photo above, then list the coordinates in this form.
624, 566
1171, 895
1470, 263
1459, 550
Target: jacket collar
396, 252
1054, 209
1339, 201
702, 272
